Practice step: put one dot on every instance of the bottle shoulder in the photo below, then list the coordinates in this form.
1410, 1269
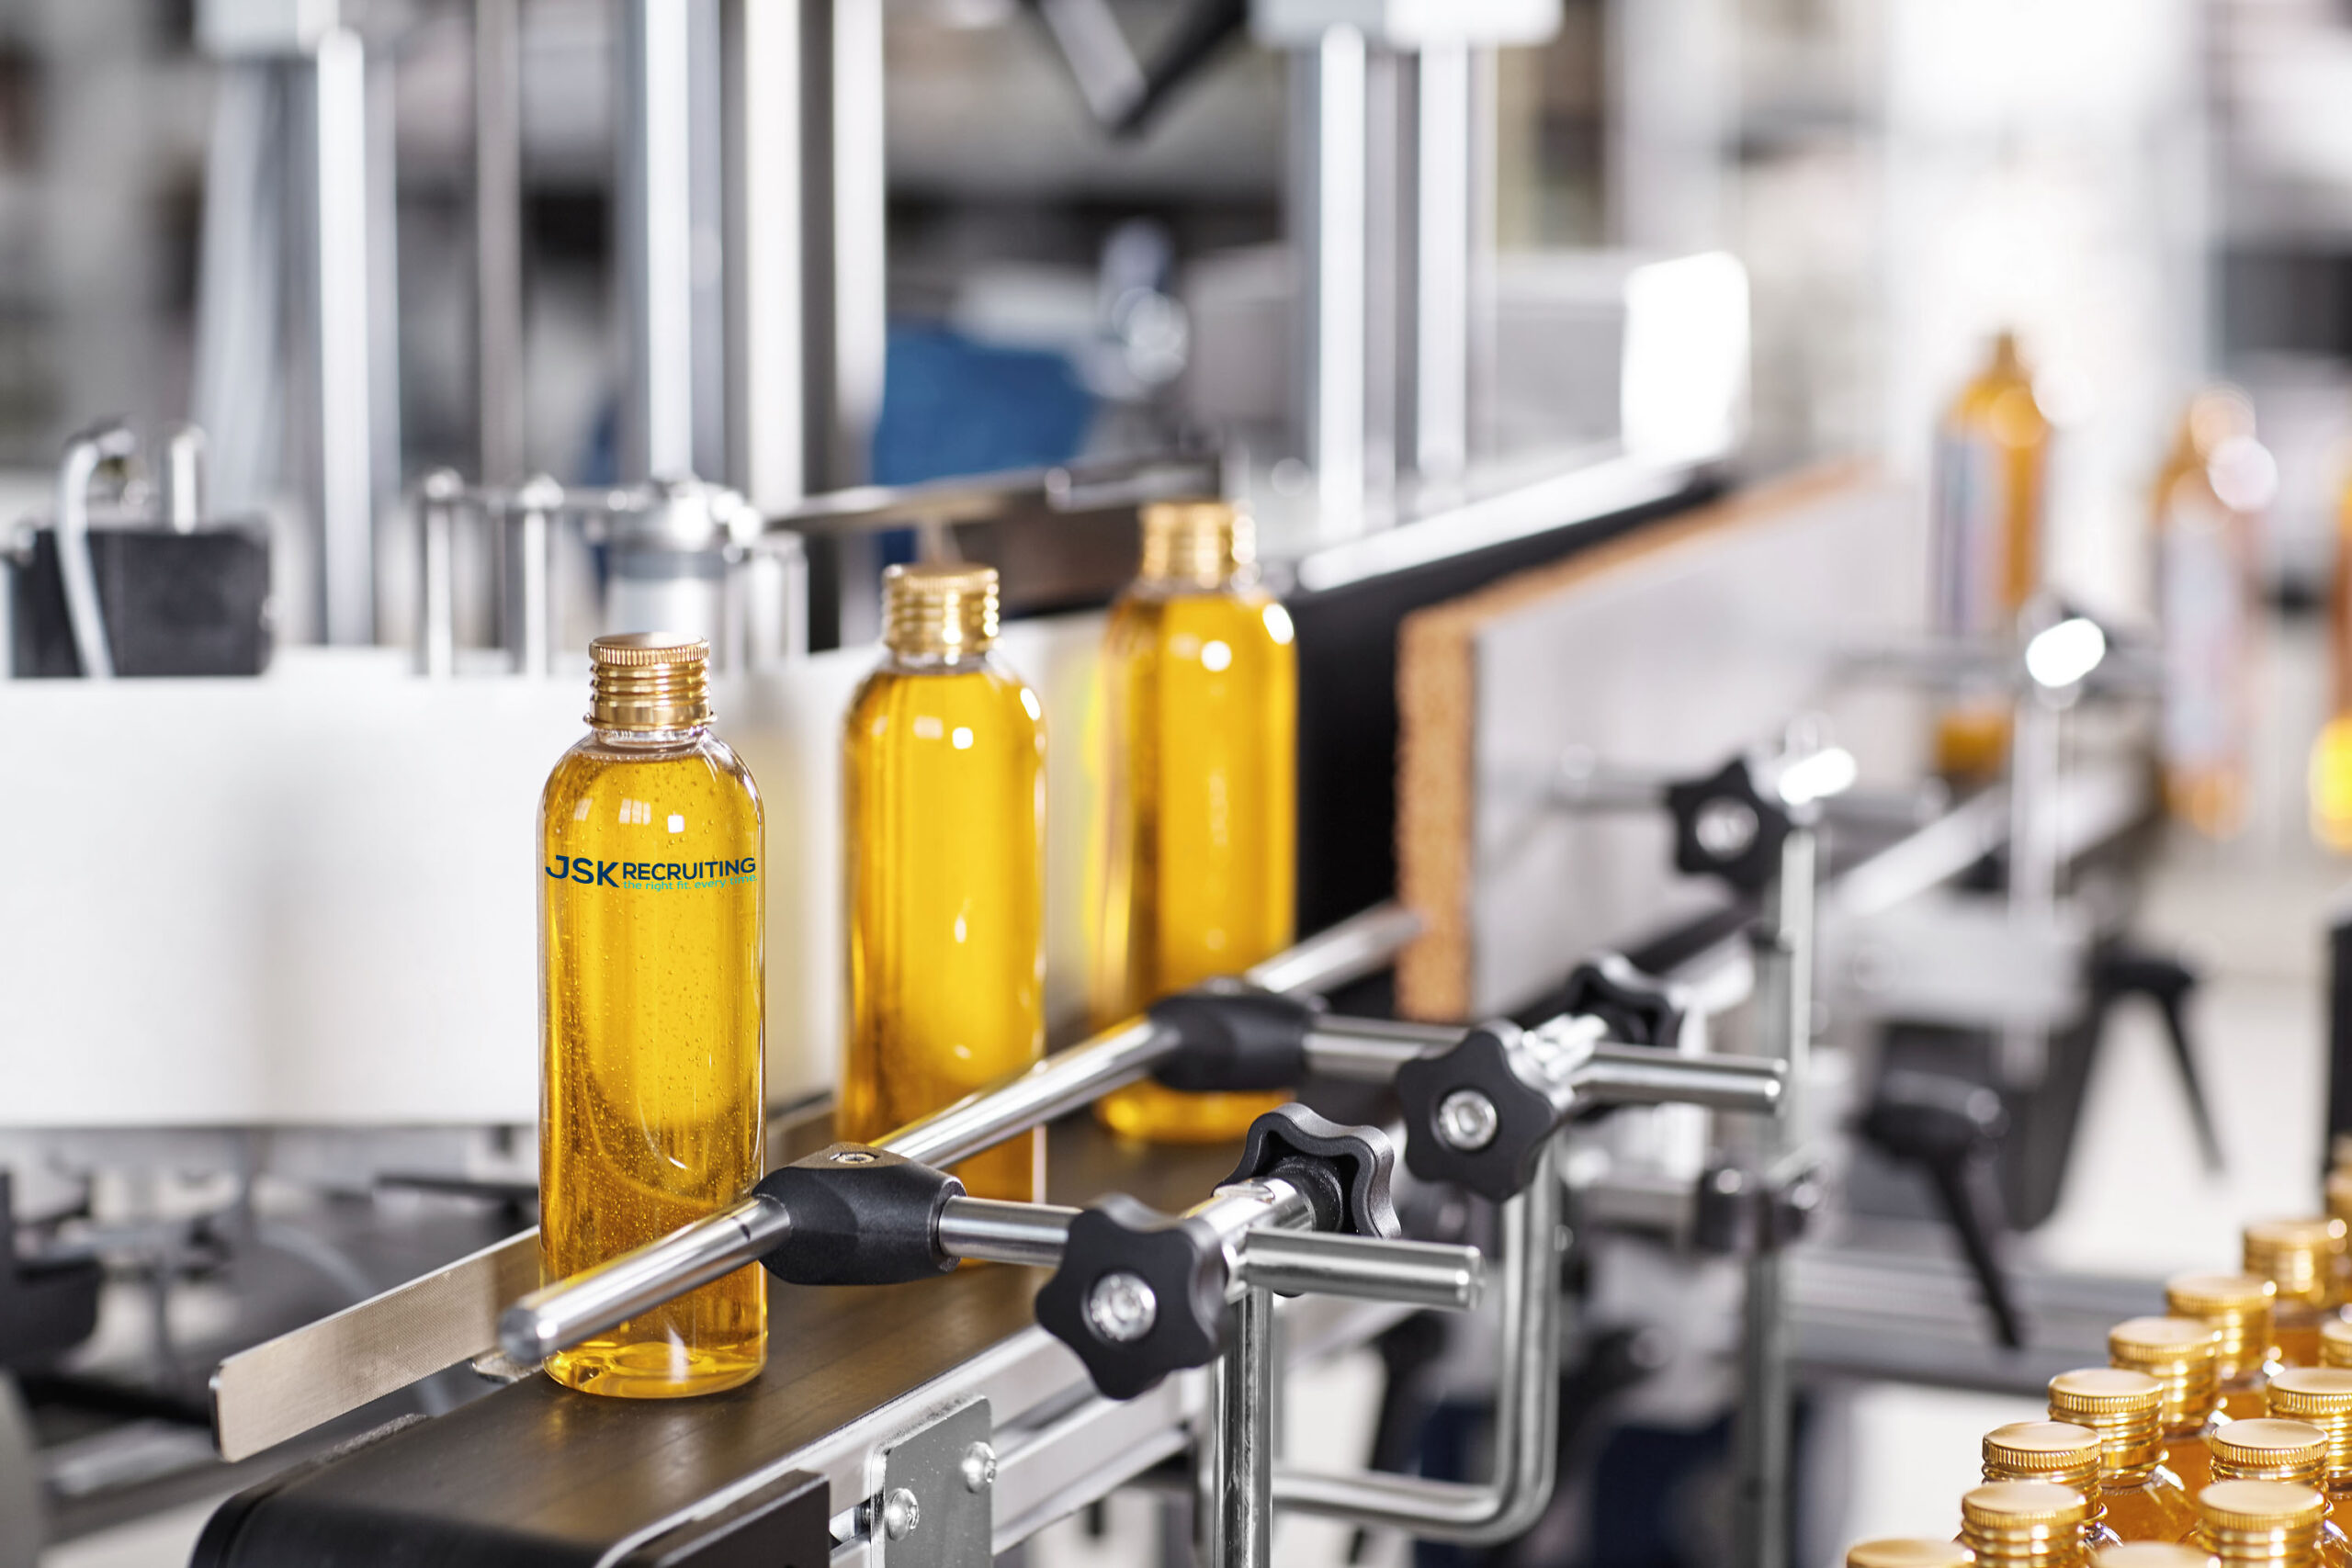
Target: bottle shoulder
1249, 616
699, 761
970, 691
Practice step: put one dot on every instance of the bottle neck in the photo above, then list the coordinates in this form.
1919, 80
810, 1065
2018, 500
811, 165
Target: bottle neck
898, 661
651, 739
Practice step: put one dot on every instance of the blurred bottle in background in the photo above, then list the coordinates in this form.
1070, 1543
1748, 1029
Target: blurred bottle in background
1992, 472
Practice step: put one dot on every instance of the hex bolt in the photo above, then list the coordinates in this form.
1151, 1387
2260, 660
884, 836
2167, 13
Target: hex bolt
1121, 1307
978, 1467
1467, 1121
1725, 828
900, 1514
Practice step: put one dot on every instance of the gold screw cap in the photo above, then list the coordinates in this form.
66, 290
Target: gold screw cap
2323, 1396
2262, 1521
2042, 1450
2024, 1524
2178, 1352
1894, 1553
2237, 1305
939, 610
2268, 1450
1199, 544
648, 681
2297, 1255
2121, 1406
2336, 1343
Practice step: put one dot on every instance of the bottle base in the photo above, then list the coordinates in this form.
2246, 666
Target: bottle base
1149, 1113
655, 1369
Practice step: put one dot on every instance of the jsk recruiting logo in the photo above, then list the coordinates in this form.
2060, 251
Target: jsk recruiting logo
657, 874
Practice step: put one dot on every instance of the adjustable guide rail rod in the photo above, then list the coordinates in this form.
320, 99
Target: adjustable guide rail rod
571, 1309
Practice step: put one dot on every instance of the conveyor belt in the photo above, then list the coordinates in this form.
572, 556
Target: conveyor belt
537, 1475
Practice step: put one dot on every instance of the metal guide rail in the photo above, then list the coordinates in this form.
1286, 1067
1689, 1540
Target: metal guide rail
929, 1413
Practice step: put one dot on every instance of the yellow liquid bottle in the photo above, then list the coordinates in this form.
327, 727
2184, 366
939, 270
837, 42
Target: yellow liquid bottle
2182, 1354
2321, 1396
2056, 1452
1201, 681
2238, 1306
2204, 573
2143, 1500
2300, 1257
1992, 469
2331, 765
2292, 1451
651, 959
944, 814
2273, 1523
2024, 1524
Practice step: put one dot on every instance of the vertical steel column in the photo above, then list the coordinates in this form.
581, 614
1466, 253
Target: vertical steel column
655, 239
1235, 1506
2036, 745
498, 239
1331, 234
237, 396
766, 403
860, 233
1441, 266
1784, 1009
345, 497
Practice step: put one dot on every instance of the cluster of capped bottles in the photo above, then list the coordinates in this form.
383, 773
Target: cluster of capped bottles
1990, 547
651, 912
2221, 1432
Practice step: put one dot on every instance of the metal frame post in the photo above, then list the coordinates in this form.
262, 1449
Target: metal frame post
655, 238
345, 495
1763, 1437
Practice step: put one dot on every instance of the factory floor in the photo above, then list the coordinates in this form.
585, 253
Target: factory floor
2251, 913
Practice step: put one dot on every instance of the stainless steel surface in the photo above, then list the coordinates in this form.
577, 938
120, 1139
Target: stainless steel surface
932, 1517
498, 239
183, 479
766, 234
1122, 1307
978, 498
1526, 1407
994, 1232
1631, 1075
655, 235
587, 1303
1468, 1119
858, 234
289, 1384
84, 614
1362, 945
1369, 1050
341, 393
1423, 1274
436, 572
1062, 1082
1236, 1505
1441, 265
1336, 258
531, 540
1763, 1432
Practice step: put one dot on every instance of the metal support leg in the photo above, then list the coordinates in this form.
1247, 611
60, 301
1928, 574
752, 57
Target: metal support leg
655, 239
346, 497
1784, 1002
498, 238
1237, 1508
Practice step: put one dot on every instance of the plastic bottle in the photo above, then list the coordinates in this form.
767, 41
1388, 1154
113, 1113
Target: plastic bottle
2208, 497
1201, 687
945, 812
651, 959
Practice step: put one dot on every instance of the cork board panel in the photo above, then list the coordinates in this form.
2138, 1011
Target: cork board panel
1668, 648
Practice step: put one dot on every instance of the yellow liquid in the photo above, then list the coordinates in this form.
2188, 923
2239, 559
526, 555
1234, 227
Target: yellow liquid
1203, 691
2156, 1509
943, 792
651, 1108
1992, 462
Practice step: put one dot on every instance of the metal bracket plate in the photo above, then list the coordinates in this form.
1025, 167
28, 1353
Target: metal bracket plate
937, 1504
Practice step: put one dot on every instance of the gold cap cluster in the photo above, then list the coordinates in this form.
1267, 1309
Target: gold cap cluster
641, 681
2298, 1256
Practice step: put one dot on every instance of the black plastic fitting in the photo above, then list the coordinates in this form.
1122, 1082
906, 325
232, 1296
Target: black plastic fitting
1346, 1172
1725, 828
1178, 1265
1238, 1039
860, 1216
1524, 1118
1634, 1008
